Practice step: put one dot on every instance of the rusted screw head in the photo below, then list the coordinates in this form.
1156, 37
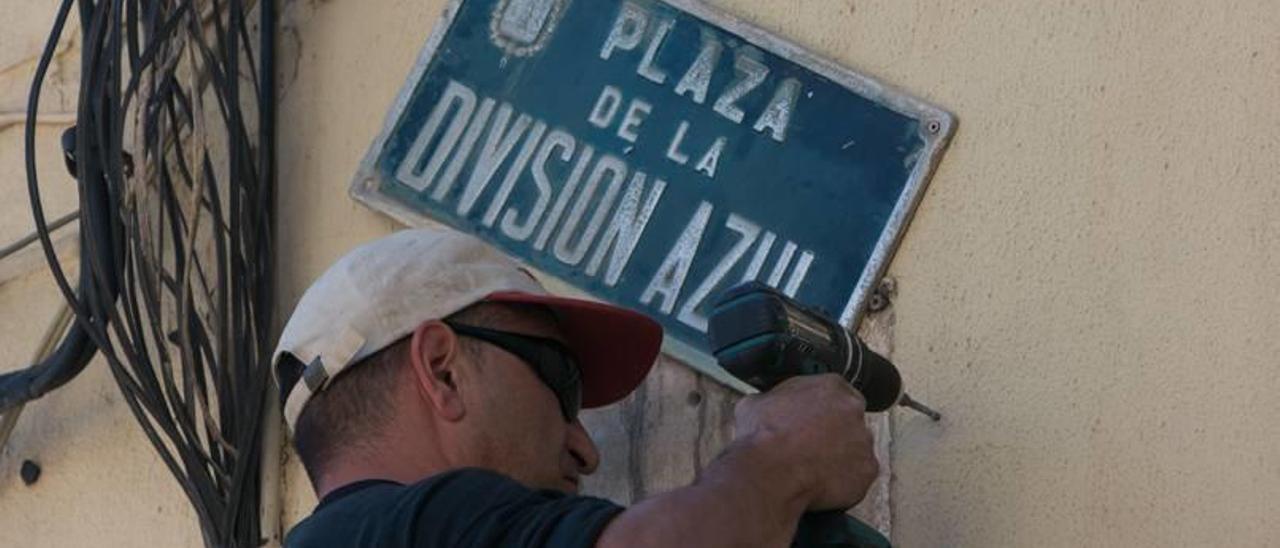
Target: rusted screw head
878, 301
881, 298
695, 398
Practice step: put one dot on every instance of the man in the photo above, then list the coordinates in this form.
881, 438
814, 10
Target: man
433, 387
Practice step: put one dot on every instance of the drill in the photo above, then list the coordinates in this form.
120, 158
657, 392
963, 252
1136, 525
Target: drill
763, 337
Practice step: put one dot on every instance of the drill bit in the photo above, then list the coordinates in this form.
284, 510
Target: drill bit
906, 401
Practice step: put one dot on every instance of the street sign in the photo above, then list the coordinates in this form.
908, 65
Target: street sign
651, 153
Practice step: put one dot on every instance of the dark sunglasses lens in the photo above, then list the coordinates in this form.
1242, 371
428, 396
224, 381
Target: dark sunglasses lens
561, 373
551, 360
571, 400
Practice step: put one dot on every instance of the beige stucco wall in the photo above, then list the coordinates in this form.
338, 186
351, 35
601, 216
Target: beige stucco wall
1092, 286
1090, 290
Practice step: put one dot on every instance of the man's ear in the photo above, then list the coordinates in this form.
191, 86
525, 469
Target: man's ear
435, 356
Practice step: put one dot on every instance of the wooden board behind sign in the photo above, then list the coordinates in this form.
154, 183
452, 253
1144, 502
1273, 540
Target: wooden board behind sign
679, 420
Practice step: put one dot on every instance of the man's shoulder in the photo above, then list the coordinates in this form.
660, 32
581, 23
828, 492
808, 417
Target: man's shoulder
362, 510
463, 507
381, 512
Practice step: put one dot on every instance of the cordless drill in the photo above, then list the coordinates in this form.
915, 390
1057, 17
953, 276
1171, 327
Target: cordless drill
763, 337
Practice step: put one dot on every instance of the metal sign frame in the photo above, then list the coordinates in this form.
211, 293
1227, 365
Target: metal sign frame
938, 125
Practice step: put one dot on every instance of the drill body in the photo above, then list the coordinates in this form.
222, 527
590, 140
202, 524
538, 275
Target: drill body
763, 337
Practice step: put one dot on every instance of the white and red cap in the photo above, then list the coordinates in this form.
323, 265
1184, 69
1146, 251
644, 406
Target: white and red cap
381, 291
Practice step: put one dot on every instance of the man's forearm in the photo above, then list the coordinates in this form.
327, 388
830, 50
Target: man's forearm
745, 498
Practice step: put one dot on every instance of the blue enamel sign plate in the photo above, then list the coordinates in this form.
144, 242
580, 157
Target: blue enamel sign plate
652, 153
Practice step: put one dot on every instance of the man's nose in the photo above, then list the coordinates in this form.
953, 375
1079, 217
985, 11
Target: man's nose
582, 448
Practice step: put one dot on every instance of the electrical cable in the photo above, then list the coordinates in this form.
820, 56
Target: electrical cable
174, 286
57, 327
23, 242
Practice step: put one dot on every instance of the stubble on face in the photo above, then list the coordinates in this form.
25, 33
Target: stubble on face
518, 429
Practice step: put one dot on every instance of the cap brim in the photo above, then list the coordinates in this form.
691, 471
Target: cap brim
615, 347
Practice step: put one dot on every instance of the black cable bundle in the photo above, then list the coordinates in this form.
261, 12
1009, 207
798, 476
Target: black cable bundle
175, 282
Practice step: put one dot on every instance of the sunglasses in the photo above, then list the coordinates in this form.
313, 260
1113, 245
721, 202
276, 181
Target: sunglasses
550, 359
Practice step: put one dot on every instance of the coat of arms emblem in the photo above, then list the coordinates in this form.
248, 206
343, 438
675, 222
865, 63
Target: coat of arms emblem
522, 27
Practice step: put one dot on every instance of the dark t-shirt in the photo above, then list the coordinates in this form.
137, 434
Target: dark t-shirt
464, 508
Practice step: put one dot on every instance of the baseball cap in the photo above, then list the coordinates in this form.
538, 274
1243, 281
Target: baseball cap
381, 291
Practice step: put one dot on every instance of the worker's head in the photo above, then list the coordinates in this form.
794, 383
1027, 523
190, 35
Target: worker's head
427, 350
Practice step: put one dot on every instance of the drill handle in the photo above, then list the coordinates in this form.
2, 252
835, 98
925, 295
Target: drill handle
835, 529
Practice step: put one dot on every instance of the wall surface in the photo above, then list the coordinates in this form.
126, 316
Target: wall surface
1090, 290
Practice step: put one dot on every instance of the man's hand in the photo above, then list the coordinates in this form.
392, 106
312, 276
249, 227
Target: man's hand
812, 426
801, 446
